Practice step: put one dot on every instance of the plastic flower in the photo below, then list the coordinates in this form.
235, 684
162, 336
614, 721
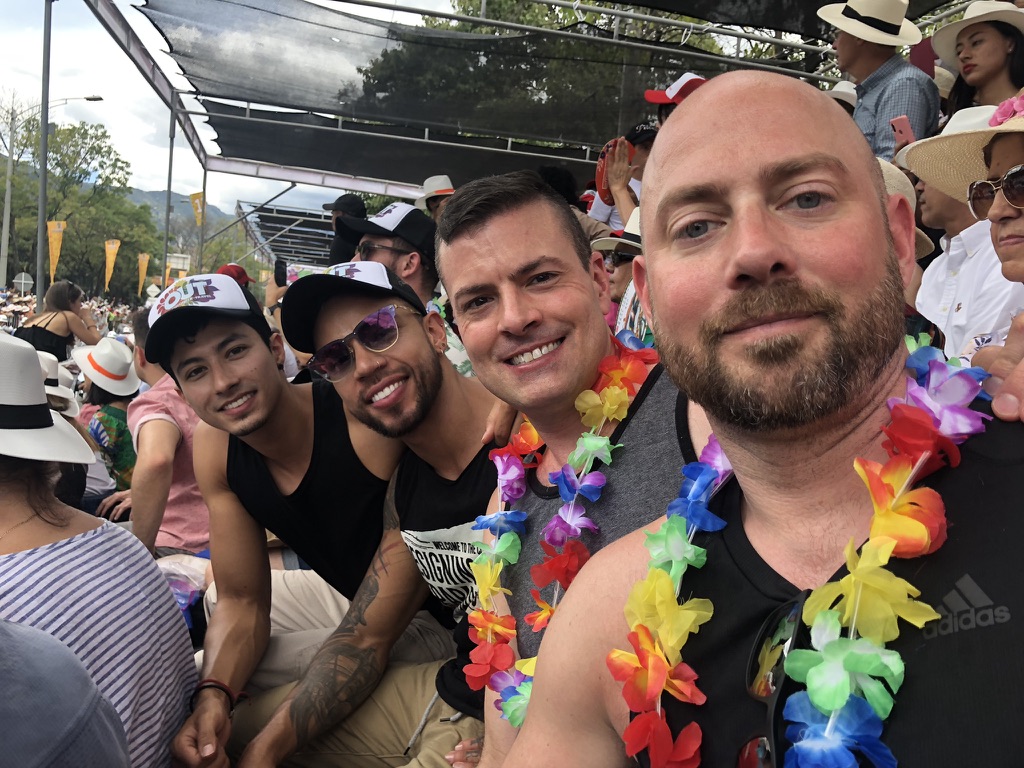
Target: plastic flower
947, 395
650, 731
610, 405
626, 369
631, 341
568, 524
591, 448
505, 548
539, 619
715, 457
526, 440
1007, 110
873, 594
527, 666
840, 666
913, 434
921, 354
699, 482
652, 603
513, 708
915, 518
856, 728
561, 567
511, 477
488, 579
589, 486
499, 523
487, 658
505, 679
488, 627
646, 673
671, 550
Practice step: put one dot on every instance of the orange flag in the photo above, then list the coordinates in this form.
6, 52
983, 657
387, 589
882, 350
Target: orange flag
55, 230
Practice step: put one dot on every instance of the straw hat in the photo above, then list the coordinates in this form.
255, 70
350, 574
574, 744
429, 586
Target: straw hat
109, 365
877, 21
435, 186
944, 80
844, 91
28, 428
629, 235
897, 183
57, 382
944, 39
955, 158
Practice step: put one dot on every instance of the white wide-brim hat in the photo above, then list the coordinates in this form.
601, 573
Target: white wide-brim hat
877, 21
955, 158
844, 91
944, 39
435, 186
109, 365
55, 386
897, 183
630, 235
28, 428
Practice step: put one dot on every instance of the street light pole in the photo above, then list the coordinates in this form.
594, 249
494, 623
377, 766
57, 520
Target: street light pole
44, 130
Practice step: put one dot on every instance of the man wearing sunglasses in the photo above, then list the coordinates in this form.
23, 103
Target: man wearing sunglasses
278, 457
773, 272
374, 340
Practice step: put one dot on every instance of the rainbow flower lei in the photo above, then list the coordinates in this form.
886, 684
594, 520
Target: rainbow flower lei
850, 681
493, 662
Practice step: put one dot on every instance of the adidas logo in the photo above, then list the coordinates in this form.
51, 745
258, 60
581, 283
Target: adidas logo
964, 608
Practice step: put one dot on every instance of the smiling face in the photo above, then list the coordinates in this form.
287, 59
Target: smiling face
1007, 221
775, 294
229, 375
982, 54
530, 314
392, 391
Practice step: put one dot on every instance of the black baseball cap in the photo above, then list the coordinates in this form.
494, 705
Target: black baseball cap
350, 204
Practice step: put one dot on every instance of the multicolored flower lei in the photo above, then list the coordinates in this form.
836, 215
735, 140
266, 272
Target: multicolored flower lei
493, 662
850, 681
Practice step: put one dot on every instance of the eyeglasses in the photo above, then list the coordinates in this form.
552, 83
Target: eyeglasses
616, 258
377, 332
982, 194
366, 249
781, 632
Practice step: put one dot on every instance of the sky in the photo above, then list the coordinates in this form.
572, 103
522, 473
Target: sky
85, 60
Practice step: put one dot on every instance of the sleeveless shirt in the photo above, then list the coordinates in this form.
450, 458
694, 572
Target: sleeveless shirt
643, 478
334, 518
45, 340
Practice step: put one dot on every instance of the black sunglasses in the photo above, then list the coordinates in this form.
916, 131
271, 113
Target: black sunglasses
982, 194
783, 631
366, 249
377, 332
615, 258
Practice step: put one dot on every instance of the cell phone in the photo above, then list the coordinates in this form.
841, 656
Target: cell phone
901, 127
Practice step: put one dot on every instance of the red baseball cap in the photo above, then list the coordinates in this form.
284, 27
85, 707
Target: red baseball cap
676, 92
236, 272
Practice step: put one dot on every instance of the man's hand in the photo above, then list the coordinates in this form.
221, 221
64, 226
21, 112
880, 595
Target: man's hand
466, 753
200, 742
500, 422
618, 169
116, 505
1006, 364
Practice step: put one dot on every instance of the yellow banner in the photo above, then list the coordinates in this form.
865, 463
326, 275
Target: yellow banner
167, 275
55, 229
111, 247
182, 274
143, 267
198, 207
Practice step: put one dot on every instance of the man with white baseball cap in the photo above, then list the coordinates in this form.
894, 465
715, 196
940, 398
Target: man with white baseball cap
868, 34
436, 191
670, 98
275, 456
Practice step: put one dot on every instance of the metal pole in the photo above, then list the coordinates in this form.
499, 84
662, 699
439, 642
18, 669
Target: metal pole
44, 130
7, 203
167, 206
202, 224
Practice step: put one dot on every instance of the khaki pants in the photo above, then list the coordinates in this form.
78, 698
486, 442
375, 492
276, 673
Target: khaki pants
385, 732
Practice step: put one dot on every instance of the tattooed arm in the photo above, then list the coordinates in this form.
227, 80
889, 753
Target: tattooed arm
350, 663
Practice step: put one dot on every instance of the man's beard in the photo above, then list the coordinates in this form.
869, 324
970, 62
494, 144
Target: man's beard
427, 381
786, 390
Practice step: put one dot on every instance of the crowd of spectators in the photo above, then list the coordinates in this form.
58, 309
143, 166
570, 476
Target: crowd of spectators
337, 502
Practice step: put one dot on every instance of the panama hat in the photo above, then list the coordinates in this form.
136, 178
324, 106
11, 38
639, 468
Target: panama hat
897, 183
877, 21
956, 157
57, 385
944, 80
435, 186
844, 91
629, 235
28, 428
944, 39
109, 365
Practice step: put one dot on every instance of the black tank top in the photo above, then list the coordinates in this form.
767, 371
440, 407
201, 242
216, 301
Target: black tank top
334, 519
45, 340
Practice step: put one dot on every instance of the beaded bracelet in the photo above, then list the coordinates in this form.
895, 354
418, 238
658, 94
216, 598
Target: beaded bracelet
209, 682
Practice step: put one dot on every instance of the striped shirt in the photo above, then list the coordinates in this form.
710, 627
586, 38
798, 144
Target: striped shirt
102, 595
